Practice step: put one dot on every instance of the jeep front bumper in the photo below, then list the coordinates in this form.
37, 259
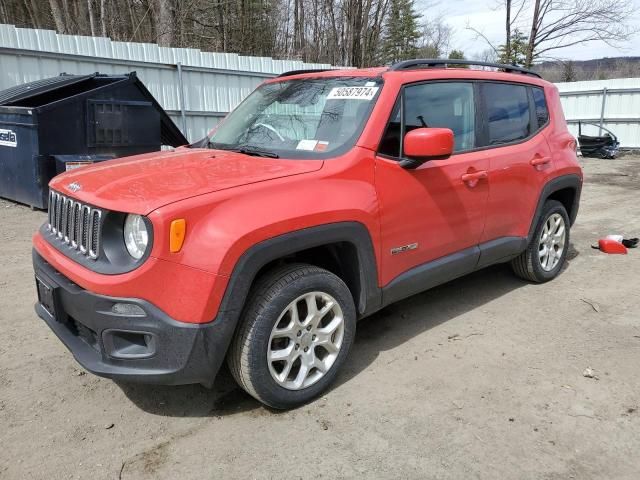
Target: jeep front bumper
145, 345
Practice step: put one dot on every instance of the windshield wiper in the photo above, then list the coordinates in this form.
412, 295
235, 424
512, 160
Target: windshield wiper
219, 146
245, 149
256, 152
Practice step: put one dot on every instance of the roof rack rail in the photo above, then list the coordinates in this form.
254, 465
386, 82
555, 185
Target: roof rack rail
296, 72
434, 62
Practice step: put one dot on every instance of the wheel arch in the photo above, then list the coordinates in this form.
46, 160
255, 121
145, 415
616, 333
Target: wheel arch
344, 248
566, 189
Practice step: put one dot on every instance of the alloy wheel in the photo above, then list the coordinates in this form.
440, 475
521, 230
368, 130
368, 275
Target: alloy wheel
305, 340
552, 242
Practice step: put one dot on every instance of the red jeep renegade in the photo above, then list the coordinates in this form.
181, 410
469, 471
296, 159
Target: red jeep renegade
321, 198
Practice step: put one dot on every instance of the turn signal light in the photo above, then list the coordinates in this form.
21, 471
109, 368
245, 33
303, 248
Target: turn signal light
177, 233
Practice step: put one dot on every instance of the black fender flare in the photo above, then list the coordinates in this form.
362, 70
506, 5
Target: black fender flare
260, 254
255, 258
564, 181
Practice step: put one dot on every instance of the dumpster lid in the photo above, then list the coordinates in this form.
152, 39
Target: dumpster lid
31, 89
169, 133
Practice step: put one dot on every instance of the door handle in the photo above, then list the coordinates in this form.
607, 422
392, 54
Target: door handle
472, 178
540, 161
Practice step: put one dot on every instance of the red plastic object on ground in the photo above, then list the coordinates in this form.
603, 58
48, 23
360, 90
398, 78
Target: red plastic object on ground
608, 245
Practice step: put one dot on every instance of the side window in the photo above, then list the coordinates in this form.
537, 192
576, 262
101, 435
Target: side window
507, 111
542, 113
446, 105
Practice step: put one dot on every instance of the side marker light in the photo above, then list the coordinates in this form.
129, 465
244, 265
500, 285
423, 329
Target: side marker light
177, 233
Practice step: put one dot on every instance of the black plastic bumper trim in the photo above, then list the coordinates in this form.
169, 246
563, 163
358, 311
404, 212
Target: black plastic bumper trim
183, 353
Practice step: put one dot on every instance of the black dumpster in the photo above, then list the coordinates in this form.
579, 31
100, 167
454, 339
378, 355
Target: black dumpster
59, 123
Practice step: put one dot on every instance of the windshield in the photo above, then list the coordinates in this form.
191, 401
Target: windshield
310, 118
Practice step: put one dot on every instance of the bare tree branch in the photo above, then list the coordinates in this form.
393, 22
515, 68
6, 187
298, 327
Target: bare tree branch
481, 35
558, 24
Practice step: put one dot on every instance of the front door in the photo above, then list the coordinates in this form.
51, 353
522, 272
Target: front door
439, 208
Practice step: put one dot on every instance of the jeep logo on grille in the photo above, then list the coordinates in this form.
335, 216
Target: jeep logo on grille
74, 187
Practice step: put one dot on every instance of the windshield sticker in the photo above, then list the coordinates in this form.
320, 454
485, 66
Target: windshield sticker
352, 93
307, 145
8, 138
370, 84
321, 146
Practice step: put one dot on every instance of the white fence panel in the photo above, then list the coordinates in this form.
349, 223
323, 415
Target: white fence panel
614, 104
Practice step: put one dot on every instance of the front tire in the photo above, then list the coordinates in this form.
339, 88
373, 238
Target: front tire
547, 251
296, 331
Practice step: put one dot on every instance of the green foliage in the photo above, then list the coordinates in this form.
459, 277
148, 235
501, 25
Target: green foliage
457, 55
401, 32
518, 53
428, 51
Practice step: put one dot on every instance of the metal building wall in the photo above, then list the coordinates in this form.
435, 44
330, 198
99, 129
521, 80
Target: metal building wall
615, 104
213, 83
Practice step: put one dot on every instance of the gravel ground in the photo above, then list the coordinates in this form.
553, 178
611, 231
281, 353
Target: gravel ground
479, 378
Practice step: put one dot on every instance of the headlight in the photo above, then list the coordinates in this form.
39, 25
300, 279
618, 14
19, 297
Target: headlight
136, 237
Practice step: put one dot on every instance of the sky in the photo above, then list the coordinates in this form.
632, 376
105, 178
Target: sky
485, 16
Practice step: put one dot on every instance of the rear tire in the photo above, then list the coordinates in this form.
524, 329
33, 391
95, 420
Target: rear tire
547, 251
295, 334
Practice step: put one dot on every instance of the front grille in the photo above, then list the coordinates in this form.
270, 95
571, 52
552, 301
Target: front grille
75, 224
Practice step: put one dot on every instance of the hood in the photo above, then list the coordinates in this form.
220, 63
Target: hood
143, 183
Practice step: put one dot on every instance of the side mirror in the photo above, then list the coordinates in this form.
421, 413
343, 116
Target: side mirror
423, 144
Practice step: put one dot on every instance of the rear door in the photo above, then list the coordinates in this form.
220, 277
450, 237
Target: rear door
434, 210
519, 154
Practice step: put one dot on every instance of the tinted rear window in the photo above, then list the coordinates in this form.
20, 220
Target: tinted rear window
507, 110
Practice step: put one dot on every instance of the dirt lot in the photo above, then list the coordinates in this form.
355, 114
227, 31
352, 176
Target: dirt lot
479, 378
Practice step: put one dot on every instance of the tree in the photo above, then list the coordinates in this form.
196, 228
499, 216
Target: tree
401, 38
487, 55
513, 11
58, 16
340, 32
569, 73
166, 23
507, 43
558, 24
435, 38
517, 53
458, 55
375, 15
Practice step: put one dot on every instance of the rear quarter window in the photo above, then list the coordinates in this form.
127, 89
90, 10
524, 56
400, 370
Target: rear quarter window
542, 112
